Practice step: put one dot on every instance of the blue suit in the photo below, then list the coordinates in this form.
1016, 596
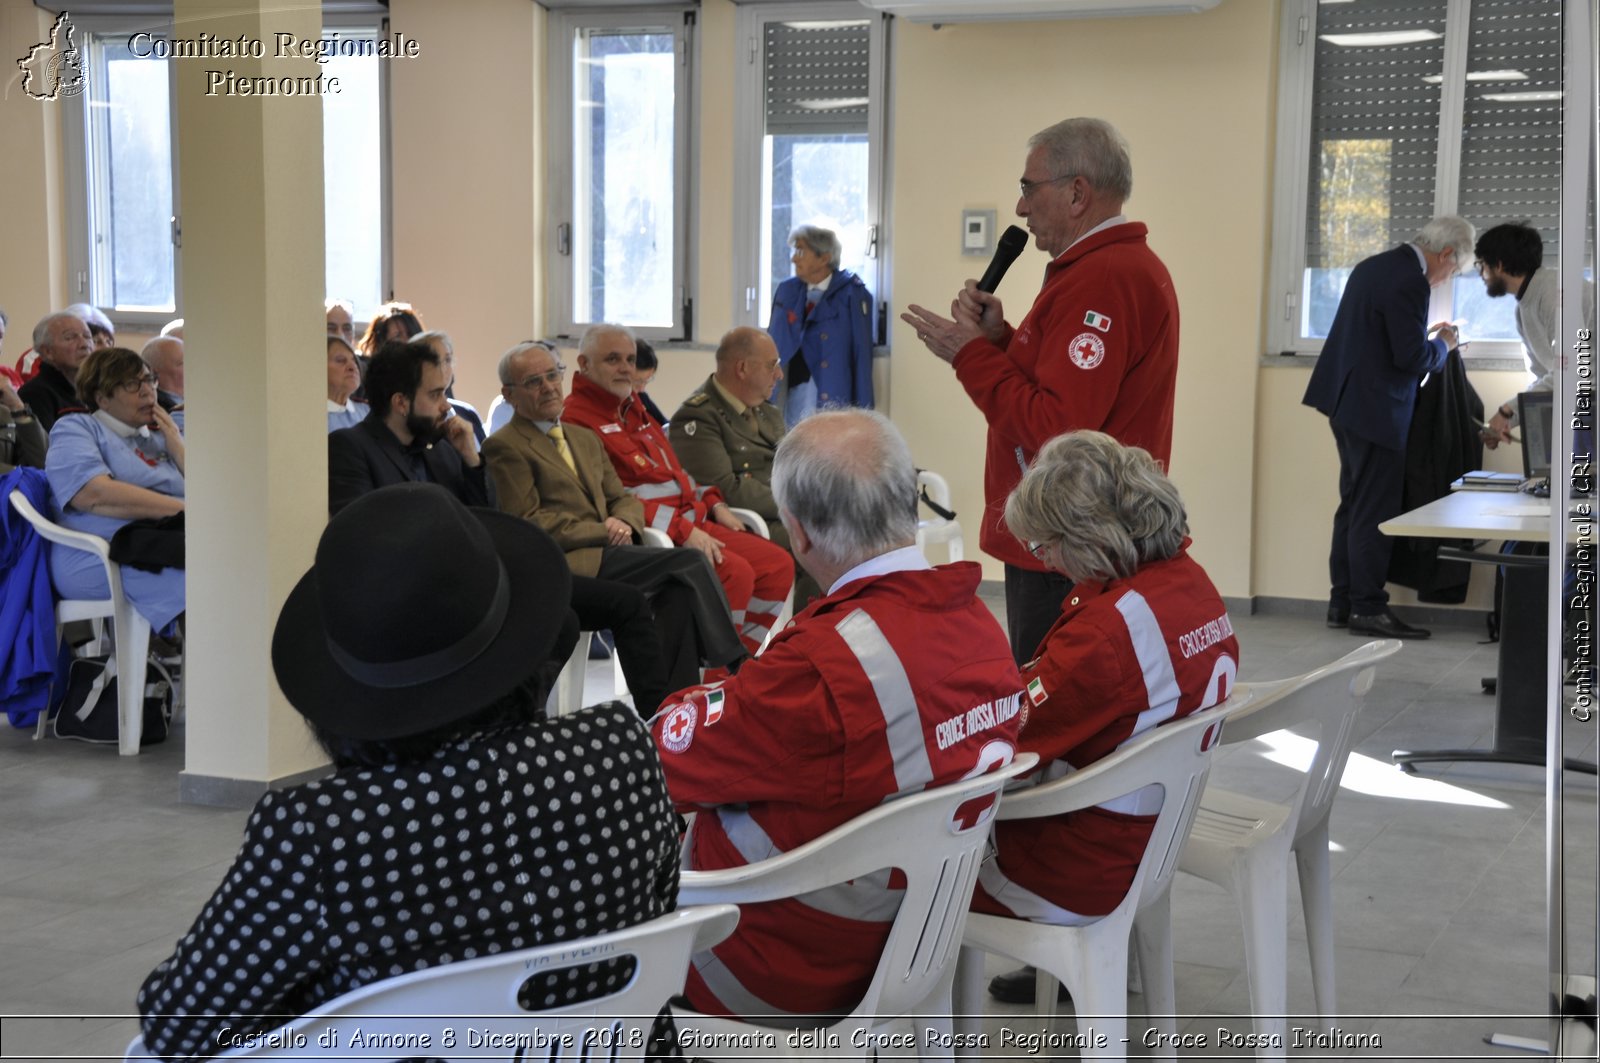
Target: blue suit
835, 339
1365, 381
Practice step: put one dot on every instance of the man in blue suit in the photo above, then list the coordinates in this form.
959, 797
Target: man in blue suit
1376, 354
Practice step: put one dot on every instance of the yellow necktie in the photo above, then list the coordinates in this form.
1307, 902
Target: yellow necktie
560, 437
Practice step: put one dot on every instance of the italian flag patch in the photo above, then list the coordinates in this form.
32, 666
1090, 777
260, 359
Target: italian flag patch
1036, 691
1098, 321
713, 707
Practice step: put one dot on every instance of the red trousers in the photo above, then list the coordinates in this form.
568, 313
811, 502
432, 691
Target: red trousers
757, 576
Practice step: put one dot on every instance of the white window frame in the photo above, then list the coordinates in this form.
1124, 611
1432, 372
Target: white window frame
682, 19
1296, 78
81, 252
749, 131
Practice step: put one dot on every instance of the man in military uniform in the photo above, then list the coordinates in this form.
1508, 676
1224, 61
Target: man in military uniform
726, 433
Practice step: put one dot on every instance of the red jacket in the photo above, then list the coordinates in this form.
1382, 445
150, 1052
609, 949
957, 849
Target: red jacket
644, 460
1099, 349
852, 702
1124, 657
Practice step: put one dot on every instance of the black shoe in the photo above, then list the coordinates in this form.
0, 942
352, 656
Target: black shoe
1018, 987
1385, 625
1338, 616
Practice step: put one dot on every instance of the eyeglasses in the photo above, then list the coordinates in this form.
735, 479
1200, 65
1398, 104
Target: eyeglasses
552, 377
1029, 187
138, 384
1037, 549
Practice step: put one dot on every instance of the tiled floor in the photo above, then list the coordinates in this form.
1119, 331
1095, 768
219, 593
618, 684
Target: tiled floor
1438, 877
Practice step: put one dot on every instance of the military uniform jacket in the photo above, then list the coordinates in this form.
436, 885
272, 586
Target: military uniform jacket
729, 450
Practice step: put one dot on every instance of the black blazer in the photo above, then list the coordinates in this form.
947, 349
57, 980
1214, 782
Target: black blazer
368, 456
1377, 350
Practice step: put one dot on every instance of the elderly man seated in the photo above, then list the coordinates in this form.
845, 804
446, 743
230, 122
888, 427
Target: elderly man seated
755, 574
557, 476
62, 341
164, 356
844, 707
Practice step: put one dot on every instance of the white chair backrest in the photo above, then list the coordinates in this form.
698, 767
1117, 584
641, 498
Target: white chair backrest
482, 994
1175, 756
935, 837
1329, 698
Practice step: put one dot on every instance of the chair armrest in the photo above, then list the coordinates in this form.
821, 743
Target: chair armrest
656, 537
753, 521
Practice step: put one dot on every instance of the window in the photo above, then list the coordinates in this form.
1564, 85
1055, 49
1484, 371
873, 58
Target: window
124, 223
619, 199
810, 146
1395, 111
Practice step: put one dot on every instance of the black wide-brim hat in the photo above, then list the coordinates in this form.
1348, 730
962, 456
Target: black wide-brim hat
418, 612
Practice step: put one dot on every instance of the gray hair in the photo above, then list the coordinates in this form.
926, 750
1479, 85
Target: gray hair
1110, 508
1448, 230
824, 242
504, 366
1090, 148
154, 352
847, 477
345, 304
41, 331
434, 334
92, 316
591, 336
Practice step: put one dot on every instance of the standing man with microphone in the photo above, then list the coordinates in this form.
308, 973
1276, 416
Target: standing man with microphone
1098, 349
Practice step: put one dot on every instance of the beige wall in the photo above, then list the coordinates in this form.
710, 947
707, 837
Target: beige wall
32, 273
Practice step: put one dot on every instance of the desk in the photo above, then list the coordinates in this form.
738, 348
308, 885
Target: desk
1522, 689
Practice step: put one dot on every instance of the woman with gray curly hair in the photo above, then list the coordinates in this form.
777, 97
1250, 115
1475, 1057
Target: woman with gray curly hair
1143, 638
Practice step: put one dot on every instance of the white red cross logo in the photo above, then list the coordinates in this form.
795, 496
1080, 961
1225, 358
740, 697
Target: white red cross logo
677, 730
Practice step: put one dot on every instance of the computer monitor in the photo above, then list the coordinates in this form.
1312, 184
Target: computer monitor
1534, 412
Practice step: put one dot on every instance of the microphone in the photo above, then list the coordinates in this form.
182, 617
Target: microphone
1012, 241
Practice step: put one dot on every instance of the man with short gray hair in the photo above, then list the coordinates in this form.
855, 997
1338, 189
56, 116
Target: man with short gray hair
1378, 349
164, 356
897, 679
63, 342
1098, 349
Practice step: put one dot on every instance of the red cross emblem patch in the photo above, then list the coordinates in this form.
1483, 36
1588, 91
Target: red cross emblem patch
677, 730
1086, 350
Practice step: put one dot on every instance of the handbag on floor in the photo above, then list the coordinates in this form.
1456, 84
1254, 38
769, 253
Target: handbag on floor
88, 711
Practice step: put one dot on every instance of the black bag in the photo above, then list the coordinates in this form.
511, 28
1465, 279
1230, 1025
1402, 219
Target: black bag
88, 710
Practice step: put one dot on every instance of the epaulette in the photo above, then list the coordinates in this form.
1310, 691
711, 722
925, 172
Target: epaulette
699, 398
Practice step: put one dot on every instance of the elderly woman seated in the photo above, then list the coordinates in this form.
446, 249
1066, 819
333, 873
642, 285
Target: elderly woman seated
344, 379
1143, 638
118, 464
458, 822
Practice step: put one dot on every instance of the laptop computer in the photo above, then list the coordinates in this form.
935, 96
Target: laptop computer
1535, 410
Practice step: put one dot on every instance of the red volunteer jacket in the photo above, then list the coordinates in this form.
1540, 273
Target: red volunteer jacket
1124, 657
1099, 349
850, 703
644, 460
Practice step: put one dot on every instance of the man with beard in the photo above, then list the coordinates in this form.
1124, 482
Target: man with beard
409, 435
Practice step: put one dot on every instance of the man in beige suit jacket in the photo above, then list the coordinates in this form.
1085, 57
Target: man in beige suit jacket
584, 507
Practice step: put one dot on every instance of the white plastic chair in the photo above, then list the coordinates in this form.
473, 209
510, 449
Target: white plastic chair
1243, 843
937, 529
939, 854
130, 630
482, 994
1092, 960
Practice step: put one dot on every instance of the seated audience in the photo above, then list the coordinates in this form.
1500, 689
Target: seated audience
644, 371
392, 321
398, 441
755, 574
411, 648
22, 440
164, 356
62, 342
124, 462
341, 315
1143, 639
344, 378
726, 433
441, 344
557, 476
100, 328
845, 707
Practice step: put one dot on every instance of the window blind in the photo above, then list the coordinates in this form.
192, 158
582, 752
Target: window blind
817, 77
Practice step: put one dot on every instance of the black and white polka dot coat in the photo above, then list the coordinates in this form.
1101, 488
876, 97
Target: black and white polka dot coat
533, 834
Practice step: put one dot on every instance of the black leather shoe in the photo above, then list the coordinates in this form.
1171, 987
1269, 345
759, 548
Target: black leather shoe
1017, 987
1385, 625
1338, 616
